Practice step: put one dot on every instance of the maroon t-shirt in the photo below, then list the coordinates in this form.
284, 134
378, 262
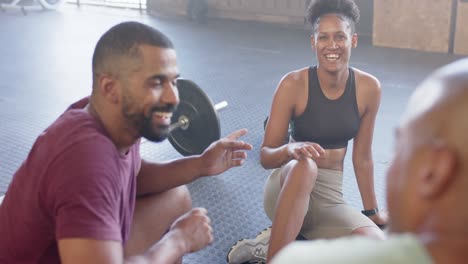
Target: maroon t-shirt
73, 184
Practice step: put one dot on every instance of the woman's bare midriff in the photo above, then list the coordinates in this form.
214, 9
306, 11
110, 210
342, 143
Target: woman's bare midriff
332, 159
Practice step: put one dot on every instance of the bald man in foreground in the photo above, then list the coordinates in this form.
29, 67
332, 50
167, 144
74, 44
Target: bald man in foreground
427, 185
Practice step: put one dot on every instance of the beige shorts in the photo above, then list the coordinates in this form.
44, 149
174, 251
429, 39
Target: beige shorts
328, 215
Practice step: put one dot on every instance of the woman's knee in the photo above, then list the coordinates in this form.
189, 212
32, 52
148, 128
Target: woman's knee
301, 172
372, 232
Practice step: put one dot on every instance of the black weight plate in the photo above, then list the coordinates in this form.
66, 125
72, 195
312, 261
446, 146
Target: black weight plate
204, 126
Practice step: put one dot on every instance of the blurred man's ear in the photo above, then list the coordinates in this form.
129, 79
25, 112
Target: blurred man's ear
438, 170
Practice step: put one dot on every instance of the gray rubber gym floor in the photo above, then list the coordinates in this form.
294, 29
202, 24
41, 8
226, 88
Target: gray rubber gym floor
45, 64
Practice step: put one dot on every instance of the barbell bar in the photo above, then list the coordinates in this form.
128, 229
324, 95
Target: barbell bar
184, 122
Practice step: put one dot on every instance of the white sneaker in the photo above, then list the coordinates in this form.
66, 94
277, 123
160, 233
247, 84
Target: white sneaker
250, 250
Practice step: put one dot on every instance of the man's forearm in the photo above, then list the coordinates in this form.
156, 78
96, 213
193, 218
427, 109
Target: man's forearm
160, 177
169, 250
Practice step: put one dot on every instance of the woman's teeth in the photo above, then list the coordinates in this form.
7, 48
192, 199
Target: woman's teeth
332, 57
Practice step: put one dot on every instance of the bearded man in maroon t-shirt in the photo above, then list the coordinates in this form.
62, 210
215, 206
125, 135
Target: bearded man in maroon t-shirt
84, 195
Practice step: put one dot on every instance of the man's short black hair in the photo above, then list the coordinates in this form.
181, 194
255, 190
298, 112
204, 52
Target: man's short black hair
122, 42
347, 9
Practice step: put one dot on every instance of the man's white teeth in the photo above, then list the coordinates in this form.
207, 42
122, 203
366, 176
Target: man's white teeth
332, 56
164, 114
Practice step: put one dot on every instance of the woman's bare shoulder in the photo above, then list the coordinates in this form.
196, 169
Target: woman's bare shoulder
366, 80
295, 78
368, 88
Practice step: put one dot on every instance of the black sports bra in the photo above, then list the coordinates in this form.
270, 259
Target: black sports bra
330, 123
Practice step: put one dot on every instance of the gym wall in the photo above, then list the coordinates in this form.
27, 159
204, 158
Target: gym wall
411, 24
421, 25
418, 24
461, 29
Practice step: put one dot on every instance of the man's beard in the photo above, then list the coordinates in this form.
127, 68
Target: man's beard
150, 132
143, 123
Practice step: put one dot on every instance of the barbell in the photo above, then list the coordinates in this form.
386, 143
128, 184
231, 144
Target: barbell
195, 122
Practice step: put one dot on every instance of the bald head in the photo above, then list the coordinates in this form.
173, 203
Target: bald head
427, 180
439, 107
445, 85
428, 175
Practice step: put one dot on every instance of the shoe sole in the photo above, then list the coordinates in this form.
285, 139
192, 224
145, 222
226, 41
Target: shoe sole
238, 243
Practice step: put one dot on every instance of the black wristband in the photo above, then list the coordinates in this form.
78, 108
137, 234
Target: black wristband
370, 212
